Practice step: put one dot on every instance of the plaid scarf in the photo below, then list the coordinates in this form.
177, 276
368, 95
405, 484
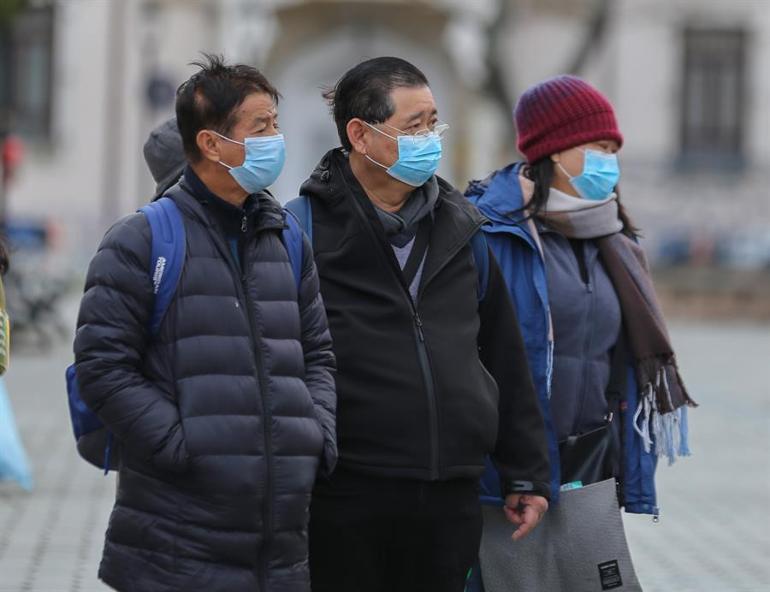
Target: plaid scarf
661, 416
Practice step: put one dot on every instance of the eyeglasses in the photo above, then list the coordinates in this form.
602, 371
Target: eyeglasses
439, 129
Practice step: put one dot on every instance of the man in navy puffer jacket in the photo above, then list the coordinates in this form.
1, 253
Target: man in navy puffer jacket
225, 417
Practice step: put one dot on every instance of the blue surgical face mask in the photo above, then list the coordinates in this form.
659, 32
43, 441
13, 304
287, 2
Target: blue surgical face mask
600, 175
262, 163
418, 157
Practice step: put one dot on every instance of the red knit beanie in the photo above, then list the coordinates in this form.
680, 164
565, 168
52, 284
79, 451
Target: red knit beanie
561, 113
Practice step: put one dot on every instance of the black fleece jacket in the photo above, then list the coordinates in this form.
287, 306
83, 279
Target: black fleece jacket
425, 389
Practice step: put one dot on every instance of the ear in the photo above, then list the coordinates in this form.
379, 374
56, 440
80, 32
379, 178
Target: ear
357, 135
208, 144
556, 157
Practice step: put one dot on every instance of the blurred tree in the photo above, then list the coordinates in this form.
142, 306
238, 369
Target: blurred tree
595, 13
593, 36
9, 8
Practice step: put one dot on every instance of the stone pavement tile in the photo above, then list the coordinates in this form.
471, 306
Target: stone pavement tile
52, 538
714, 533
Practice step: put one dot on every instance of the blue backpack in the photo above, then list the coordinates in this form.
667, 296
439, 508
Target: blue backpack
94, 441
303, 212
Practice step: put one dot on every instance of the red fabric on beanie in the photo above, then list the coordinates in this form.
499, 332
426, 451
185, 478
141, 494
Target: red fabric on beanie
561, 113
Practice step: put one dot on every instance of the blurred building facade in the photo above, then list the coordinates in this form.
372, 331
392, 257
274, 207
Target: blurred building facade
83, 82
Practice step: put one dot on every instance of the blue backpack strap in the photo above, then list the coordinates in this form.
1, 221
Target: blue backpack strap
168, 253
299, 218
95, 443
292, 240
481, 258
303, 211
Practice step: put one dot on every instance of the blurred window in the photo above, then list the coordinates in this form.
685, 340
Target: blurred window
26, 52
713, 113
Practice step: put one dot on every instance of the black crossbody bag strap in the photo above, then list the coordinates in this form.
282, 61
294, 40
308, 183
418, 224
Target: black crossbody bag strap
616, 398
419, 248
597, 455
616, 388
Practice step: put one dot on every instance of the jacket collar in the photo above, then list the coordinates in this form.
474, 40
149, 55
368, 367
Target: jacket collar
266, 211
501, 196
456, 219
327, 183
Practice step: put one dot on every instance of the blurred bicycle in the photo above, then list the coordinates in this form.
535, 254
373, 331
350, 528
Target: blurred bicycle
35, 285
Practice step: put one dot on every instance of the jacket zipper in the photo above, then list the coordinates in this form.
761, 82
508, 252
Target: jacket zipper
590, 291
430, 389
267, 419
524, 236
267, 429
422, 354
255, 333
427, 378
425, 366
424, 360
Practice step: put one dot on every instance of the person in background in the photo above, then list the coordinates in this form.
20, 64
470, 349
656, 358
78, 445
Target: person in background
14, 464
164, 154
5, 323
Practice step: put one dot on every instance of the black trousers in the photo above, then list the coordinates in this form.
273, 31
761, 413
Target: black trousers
371, 534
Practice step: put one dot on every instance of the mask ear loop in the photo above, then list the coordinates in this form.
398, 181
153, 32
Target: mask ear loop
563, 170
228, 139
379, 164
224, 164
379, 130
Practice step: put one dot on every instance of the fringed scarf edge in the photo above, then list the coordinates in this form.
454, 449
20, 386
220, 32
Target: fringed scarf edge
661, 423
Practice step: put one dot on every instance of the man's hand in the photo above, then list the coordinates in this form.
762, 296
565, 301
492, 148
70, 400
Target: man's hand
525, 510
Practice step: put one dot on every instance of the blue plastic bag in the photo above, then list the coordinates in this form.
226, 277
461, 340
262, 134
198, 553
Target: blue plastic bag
13, 459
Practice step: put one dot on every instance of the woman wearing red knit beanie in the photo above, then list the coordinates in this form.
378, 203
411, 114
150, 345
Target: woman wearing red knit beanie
600, 355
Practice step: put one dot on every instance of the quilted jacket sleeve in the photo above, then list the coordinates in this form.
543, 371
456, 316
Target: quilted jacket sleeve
109, 344
319, 358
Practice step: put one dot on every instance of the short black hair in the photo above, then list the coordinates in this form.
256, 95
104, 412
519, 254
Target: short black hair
209, 98
364, 92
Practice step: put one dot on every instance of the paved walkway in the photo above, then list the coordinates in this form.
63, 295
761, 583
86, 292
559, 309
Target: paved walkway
714, 533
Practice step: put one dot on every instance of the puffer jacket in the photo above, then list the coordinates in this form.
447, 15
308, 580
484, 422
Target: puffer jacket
586, 326
222, 420
500, 198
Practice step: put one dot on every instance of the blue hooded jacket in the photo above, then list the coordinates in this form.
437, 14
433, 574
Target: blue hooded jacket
500, 200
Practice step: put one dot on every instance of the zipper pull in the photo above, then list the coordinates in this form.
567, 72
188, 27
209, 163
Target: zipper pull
418, 324
244, 223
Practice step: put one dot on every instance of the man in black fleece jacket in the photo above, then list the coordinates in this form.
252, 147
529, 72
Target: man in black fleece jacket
432, 372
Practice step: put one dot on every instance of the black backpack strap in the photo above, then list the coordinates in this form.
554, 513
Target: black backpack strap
616, 388
419, 248
616, 395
